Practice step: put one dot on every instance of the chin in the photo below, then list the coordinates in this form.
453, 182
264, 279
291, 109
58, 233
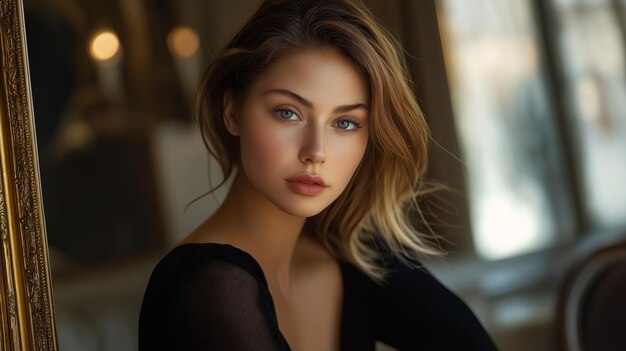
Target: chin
302, 208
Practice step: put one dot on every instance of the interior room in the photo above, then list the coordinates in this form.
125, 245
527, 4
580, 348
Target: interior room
526, 104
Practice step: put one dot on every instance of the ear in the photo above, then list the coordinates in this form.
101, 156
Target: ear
230, 113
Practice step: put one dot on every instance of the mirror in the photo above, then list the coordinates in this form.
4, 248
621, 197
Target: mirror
26, 312
119, 154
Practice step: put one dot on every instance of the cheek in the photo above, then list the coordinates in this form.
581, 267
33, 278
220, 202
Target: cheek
347, 154
264, 147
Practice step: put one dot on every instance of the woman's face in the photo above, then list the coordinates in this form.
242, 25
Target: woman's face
304, 120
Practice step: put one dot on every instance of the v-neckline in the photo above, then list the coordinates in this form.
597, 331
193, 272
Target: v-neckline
269, 294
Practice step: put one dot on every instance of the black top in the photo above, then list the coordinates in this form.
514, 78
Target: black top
215, 297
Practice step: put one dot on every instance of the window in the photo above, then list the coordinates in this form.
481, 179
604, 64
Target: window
519, 190
591, 47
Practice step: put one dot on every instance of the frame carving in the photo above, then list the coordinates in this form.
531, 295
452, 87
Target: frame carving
26, 307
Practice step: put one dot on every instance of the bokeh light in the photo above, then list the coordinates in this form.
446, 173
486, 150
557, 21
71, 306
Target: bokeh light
104, 45
183, 42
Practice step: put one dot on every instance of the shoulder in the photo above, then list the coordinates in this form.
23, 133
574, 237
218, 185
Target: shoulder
192, 260
197, 286
205, 296
192, 268
194, 272
405, 283
418, 290
415, 298
406, 278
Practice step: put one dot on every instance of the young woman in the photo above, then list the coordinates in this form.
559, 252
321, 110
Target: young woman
310, 109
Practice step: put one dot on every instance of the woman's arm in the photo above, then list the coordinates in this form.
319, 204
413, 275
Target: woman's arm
214, 307
418, 313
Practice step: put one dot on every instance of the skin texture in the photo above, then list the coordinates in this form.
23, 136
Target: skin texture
281, 137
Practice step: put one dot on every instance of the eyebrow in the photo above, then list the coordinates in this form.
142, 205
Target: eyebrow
309, 104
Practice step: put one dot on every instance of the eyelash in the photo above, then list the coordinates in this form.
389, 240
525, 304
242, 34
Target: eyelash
284, 108
356, 123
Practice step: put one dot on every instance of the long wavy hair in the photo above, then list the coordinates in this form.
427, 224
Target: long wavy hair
369, 222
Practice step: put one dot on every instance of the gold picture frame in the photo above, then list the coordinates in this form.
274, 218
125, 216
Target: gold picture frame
26, 307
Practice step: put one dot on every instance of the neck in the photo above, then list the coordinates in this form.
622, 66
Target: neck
256, 225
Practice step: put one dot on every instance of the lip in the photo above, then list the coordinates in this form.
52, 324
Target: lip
306, 184
307, 178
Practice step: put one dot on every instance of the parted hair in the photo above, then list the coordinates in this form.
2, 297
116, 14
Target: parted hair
370, 221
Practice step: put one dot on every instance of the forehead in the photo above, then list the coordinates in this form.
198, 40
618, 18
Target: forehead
323, 75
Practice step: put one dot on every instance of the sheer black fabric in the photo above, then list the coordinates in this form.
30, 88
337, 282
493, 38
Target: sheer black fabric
208, 297
215, 297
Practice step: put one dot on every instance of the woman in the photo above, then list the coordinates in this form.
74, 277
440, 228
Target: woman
310, 109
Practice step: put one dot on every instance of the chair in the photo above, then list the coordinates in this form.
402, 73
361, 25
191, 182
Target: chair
592, 304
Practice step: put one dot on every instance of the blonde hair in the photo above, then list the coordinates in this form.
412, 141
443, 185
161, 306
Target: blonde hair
370, 219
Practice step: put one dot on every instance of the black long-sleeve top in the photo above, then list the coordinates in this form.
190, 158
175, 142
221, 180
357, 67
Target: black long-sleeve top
215, 297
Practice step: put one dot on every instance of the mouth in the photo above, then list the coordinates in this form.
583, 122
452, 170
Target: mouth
306, 184
308, 179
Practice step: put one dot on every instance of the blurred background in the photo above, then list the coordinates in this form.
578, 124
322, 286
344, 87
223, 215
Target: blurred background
526, 100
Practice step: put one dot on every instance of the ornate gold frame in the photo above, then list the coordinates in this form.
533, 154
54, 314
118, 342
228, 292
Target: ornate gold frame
26, 308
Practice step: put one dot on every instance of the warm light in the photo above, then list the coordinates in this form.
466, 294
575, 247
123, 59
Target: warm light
509, 224
183, 41
104, 46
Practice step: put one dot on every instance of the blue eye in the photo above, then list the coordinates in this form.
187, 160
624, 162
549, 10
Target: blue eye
287, 115
347, 124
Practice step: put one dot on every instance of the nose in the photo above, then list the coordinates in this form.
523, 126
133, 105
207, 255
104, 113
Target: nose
313, 149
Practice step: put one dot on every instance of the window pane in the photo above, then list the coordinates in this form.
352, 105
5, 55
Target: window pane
519, 199
592, 49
